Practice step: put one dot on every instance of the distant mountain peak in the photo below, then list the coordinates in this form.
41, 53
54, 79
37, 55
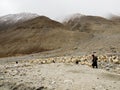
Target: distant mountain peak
114, 17
18, 17
72, 17
10, 20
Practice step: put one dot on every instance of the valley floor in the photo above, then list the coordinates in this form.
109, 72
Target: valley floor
30, 75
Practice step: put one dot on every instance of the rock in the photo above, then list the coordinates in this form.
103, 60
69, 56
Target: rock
13, 72
22, 87
53, 82
1, 77
68, 81
107, 68
41, 88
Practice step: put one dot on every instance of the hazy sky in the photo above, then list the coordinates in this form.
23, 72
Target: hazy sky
58, 8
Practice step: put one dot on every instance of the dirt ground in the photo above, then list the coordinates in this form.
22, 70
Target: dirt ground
56, 76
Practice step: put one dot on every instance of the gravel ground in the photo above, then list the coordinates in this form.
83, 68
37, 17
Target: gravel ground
56, 76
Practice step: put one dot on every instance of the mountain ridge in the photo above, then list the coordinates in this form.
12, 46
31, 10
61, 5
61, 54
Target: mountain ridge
84, 34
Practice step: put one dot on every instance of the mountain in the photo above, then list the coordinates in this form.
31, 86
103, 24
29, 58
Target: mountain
114, 18
80, 34
87, 23
38, 35
41, 22
106, 33
72, 17
11, 20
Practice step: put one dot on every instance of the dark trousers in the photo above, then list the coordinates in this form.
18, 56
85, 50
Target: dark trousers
94, 65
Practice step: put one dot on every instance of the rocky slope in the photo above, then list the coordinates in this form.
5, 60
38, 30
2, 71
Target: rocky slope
87, 23
106, 33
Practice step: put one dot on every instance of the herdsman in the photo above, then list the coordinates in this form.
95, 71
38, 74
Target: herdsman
94, 61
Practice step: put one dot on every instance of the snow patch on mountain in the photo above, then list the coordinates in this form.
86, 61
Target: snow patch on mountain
70, 17
14, 18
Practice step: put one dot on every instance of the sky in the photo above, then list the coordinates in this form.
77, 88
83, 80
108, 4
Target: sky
58, 8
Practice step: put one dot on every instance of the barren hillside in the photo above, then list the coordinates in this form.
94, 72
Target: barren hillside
37, 35
106, 33
83, 34
88, 23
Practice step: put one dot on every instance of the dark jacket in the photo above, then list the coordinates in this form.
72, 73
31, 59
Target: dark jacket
94, 60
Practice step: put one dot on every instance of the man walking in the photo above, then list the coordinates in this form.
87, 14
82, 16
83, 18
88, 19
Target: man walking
94, 61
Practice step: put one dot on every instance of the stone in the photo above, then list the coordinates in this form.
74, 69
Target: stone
40, 88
